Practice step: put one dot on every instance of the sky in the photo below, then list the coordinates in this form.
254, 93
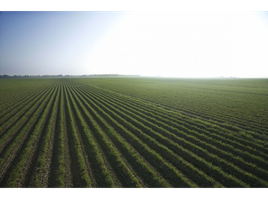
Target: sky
167, 44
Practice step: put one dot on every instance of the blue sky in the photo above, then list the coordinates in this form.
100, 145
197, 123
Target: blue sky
169, 44
49, 42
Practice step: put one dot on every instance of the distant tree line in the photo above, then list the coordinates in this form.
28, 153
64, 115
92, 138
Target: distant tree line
27, 76
60, 75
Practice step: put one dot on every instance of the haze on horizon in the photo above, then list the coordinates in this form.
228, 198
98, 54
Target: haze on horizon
167, 44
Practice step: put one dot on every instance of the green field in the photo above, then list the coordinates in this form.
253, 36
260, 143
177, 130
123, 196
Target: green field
133, 132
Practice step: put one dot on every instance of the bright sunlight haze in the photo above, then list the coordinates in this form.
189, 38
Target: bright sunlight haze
167, 44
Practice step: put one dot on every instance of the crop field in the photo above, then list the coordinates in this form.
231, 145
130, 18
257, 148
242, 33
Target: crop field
133, 132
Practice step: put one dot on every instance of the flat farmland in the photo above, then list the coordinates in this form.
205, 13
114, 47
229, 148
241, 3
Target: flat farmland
133, 132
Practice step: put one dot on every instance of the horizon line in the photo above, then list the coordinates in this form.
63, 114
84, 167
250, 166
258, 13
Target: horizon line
135, 75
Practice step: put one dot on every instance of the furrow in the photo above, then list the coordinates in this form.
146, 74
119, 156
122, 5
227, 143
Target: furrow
79, 168
93, 150
39, 173
189, 135
16, 175
122, 169
169, 168
122, 117
16, 144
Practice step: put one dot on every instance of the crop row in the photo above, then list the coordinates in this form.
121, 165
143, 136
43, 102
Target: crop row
16, 103
220, 135
24, 123
132, 121
71, 134
16, 158
195, 102
18, 112
171, 170
188, 132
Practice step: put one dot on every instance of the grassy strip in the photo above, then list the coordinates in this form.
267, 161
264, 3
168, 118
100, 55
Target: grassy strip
177, 117
153, 154
168, 134
207, 111
93, 145
259, 161
18, 114
19, 124
148, 138
165, 138
15, 109
17, 173
189, 134
125, 171
133, 155
61, 168
40, 176
151, 105
187, 102
78, 148
11, 95
189, 165
10, 152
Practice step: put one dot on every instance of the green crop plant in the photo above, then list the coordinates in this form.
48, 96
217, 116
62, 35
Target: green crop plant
133, 132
